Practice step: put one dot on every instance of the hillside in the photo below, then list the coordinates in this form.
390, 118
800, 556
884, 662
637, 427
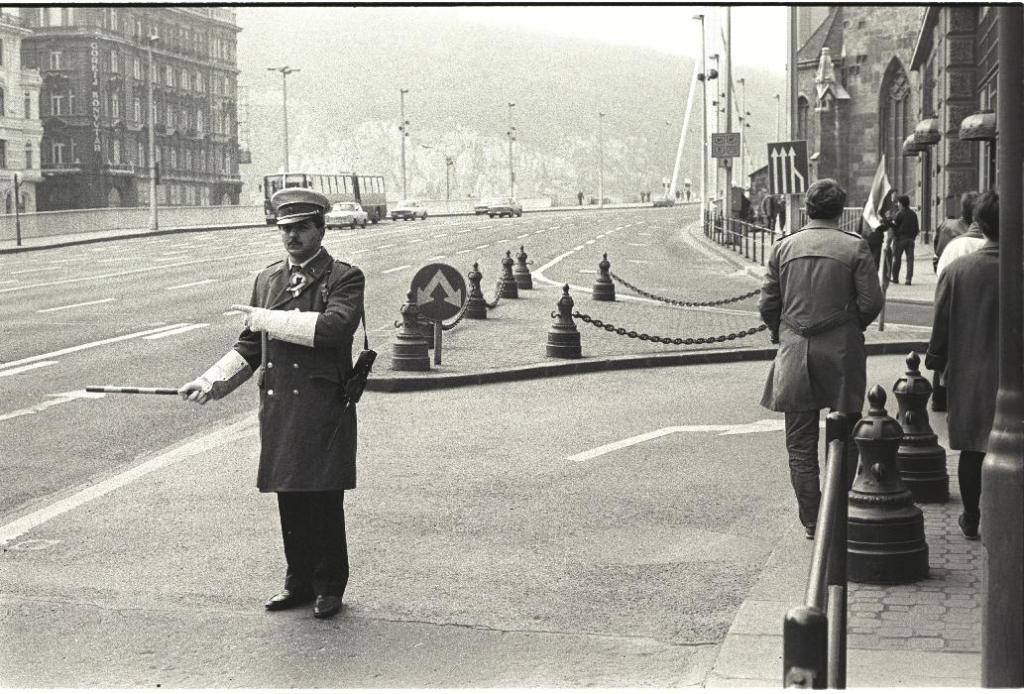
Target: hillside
344, 104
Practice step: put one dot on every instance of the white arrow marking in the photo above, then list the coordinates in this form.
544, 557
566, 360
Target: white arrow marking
796, 172
780, 185
760, 426
58, 399
425, 295
793, 173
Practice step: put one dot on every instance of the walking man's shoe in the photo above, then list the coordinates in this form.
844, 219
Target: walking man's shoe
326, 606
809, 532
286, 599
968, 528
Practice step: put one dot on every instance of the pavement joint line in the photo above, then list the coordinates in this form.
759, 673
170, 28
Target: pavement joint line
28, 522
84, 303
190, 284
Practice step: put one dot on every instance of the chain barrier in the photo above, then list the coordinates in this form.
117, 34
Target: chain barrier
497, 294
685, 304
458, 318
597, 323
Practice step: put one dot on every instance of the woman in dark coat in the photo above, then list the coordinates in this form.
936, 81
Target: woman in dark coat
965, 337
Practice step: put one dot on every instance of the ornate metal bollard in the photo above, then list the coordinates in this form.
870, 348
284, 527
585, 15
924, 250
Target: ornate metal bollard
409, 351
922, 461
885, 531
509, 288
604, 288
476, 304
524, 280
563, 337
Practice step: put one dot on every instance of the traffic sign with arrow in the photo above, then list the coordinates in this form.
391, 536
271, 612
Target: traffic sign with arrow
787, 167
440, 291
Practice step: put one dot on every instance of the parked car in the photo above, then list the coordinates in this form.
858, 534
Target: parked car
505, 206
482, 206
346, 214
408, 209
663, 200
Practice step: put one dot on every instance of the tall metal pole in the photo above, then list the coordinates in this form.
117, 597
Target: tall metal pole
791, 97
778, 117
153, 221
511, 139
1002, 475
743, 130
17, 215
600, 159
404, 129
285, 71
718, 122
728, 101
704, 122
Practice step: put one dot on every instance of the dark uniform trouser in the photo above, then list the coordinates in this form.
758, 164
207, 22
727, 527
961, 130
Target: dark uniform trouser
802, 444
313, 529
899, 247
969, 474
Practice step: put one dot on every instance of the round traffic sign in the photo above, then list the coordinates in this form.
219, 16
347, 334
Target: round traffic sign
440, 291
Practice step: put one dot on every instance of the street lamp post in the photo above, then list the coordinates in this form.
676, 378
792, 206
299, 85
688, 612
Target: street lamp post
704, 77
449, 164
600, 159
285, 71
153, 170
778, 117
511, 139
17, 216
744, 124
404, 129
717, 103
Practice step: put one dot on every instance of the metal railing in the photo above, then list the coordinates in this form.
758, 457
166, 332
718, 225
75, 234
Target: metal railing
752, 241
814, 634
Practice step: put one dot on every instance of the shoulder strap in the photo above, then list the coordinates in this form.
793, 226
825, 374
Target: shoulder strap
366, 339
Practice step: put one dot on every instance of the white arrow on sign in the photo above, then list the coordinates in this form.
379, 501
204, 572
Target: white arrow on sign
426, 295
758, 427
777, 167
793, 173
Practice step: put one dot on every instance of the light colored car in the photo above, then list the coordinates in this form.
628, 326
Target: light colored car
501, 207
408, 209
346, 214
482, 206
663, 201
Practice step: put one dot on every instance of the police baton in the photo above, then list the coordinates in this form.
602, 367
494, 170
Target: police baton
131, 390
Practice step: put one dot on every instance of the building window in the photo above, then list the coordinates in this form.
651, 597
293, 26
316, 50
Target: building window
55, 17
56, 104
184, 80
3, 154
115, 105
141, 154
199, 119
199, 82
802, 109
169, 75
137, 109
56, 60
57, 152
1, 51
28, 105
3, 102
115, 151
115, 63
137, 69
894, 115
28, 155
170, 116
113, 18
71, 102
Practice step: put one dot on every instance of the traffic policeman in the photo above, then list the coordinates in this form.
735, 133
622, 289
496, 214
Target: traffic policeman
299, 327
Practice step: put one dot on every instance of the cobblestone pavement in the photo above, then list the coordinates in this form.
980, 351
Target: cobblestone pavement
940, 613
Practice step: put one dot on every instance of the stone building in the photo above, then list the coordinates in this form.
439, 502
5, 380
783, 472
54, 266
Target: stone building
94, 106
20, 127
857, 100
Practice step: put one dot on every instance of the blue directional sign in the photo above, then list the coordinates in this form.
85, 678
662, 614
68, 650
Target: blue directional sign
787, 167
440, 291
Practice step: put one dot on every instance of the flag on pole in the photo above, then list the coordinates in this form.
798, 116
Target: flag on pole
879, 199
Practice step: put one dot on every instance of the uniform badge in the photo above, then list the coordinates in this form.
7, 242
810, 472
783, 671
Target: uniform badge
296, 283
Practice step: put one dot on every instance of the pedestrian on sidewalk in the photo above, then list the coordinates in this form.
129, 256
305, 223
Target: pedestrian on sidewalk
299, 327
962, 245
820, 292
952, 228
905, 228
963, 344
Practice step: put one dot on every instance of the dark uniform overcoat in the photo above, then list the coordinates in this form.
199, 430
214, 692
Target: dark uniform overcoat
819, 293
965, 342
308, 436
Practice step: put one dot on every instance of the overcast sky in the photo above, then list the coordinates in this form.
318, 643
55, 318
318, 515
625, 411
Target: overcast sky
758, 32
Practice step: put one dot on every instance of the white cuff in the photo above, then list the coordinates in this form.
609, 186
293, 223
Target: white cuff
227, 374
298, 327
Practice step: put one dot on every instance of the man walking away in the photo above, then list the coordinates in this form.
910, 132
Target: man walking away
905, 228
952, 228
819, 293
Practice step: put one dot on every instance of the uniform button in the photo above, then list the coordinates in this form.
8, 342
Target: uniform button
295, 392
270, 364
295, 365
270, 392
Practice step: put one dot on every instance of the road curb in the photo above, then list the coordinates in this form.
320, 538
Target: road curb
404, 384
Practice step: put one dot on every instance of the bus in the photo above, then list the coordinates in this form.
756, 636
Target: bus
366, 189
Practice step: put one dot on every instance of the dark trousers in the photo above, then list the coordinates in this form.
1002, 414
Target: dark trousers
969, 472
802, 445
901, 246
313, 530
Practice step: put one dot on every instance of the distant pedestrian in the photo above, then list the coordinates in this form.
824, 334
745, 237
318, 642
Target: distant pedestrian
952, 228
303, 314
962, 245
769, 210
905, 228
964, 343
819, 293
579, 197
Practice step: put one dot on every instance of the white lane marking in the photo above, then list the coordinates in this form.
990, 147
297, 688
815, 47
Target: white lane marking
588, 272
578, 248
600, 236
176, 331
468, 250
521, 236
438, 236
638, 262
414, 240
760, 426
231, 313
58, 399
38, 269
27, 367
619, 228
84, 303
386, 245
8, 281
365, 250
587, 243
22, 525
501, 241
489, 226
88, 345
396, 269
555, 227
436, 257
644, 233
640, 245
486, 245
190, 284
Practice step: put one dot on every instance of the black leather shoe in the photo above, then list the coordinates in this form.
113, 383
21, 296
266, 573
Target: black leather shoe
286, 599
968, 526
326, 606
809, 532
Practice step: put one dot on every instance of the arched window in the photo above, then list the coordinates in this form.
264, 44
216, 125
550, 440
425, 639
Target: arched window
802, 109
3, 103
894, 126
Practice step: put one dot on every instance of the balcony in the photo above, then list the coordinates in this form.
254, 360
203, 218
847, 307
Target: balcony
119, 169
60, 168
